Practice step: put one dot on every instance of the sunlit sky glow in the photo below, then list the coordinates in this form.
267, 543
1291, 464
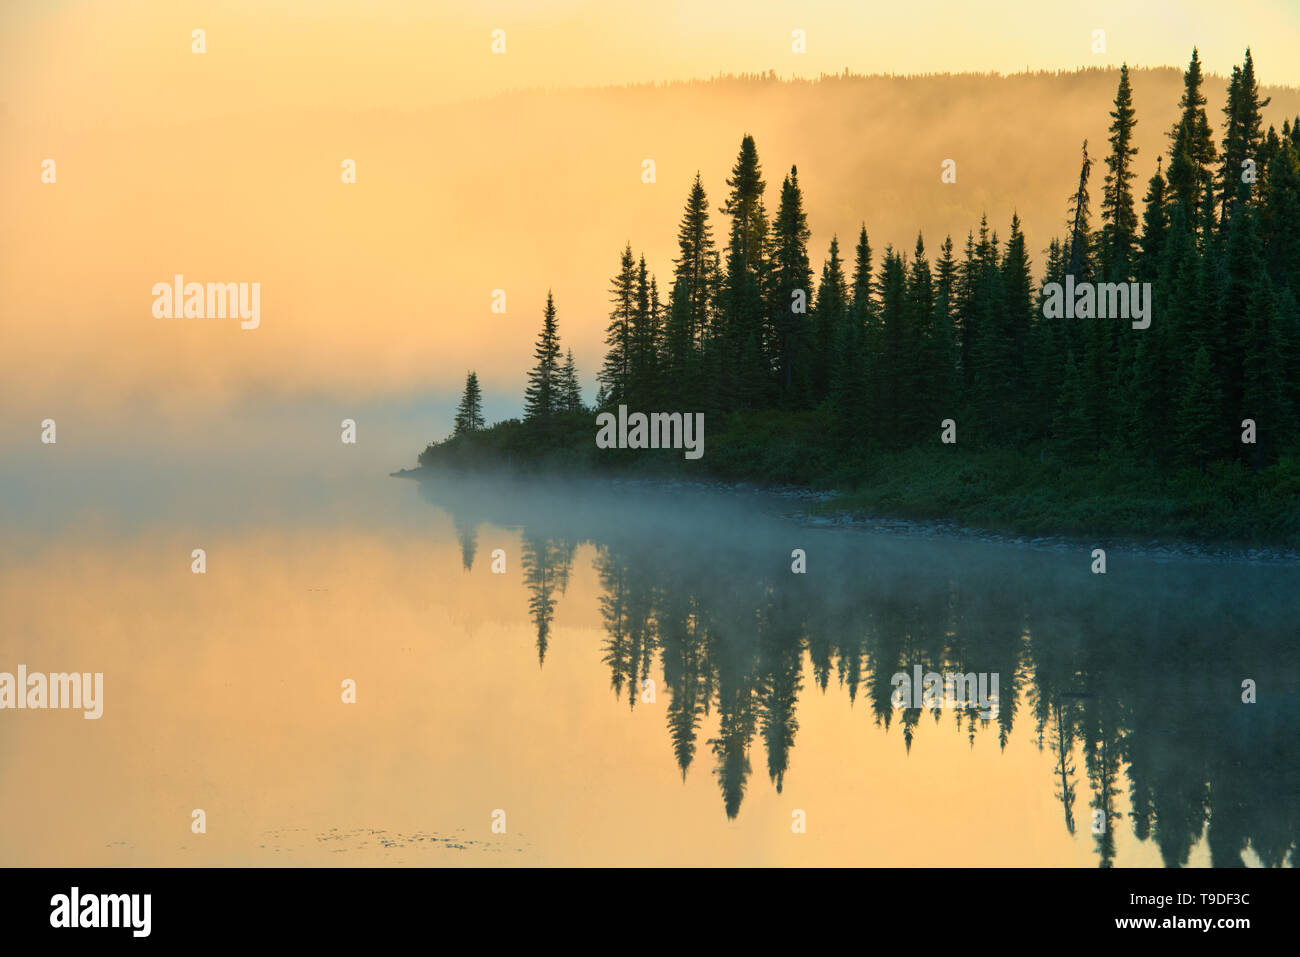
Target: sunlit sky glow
225, 166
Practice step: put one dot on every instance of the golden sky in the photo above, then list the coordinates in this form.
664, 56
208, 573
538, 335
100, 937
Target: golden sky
225, 166
128, 58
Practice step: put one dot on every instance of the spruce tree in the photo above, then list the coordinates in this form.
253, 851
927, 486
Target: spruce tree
542, 398
1079, 248
862, 280
891, 365
1232, 144
1047, 350
644, 342
1148, 389
791, 291
1193, 147
741, 344
1118, 215
851, 374
1243, 134
1177, 292
1155, 223
985, 324
1280, 217
921, 369
697, 262
654, 346
1017, 287
944, 373
1269, 148
616, 372
690, 301
469, 414
1211, 239
570, 388
830, 316
967, 281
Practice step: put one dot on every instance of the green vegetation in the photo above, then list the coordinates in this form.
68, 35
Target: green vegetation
1174, 419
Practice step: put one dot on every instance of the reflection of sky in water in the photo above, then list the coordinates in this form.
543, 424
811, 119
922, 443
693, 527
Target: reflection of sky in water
222, 691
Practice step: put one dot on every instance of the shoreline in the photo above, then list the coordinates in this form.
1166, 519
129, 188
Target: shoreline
817, 510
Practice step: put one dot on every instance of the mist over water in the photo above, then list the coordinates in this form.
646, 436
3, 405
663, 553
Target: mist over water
362, 295
526, 691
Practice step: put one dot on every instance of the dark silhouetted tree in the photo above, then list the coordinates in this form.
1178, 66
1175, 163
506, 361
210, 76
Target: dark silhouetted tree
542, 398
469, 414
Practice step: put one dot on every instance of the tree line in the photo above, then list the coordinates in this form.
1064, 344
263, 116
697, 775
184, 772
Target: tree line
890, 348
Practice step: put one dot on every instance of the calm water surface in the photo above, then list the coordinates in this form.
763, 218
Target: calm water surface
647, 682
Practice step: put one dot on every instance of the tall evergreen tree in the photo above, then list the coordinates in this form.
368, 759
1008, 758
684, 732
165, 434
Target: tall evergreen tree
891, 364
862, 280
617, 370
741, 343
1155, 222
469, 414
967, 282
570, 388
1047, 350
943, 336
1243, 134
1144, 374
1280, 217
742, 205
792, 292
542, 398
850, 370
1226, 182
1193, 147
646, 335
690, 302
1017, 319
1079, 250
987, 338
831, 315
1118, 214
924, 371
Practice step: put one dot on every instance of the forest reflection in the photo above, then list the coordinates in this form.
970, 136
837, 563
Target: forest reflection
1132, 681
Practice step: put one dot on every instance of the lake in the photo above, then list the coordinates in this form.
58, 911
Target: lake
641, 679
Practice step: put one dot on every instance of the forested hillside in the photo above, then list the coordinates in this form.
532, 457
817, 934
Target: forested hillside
958, 346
